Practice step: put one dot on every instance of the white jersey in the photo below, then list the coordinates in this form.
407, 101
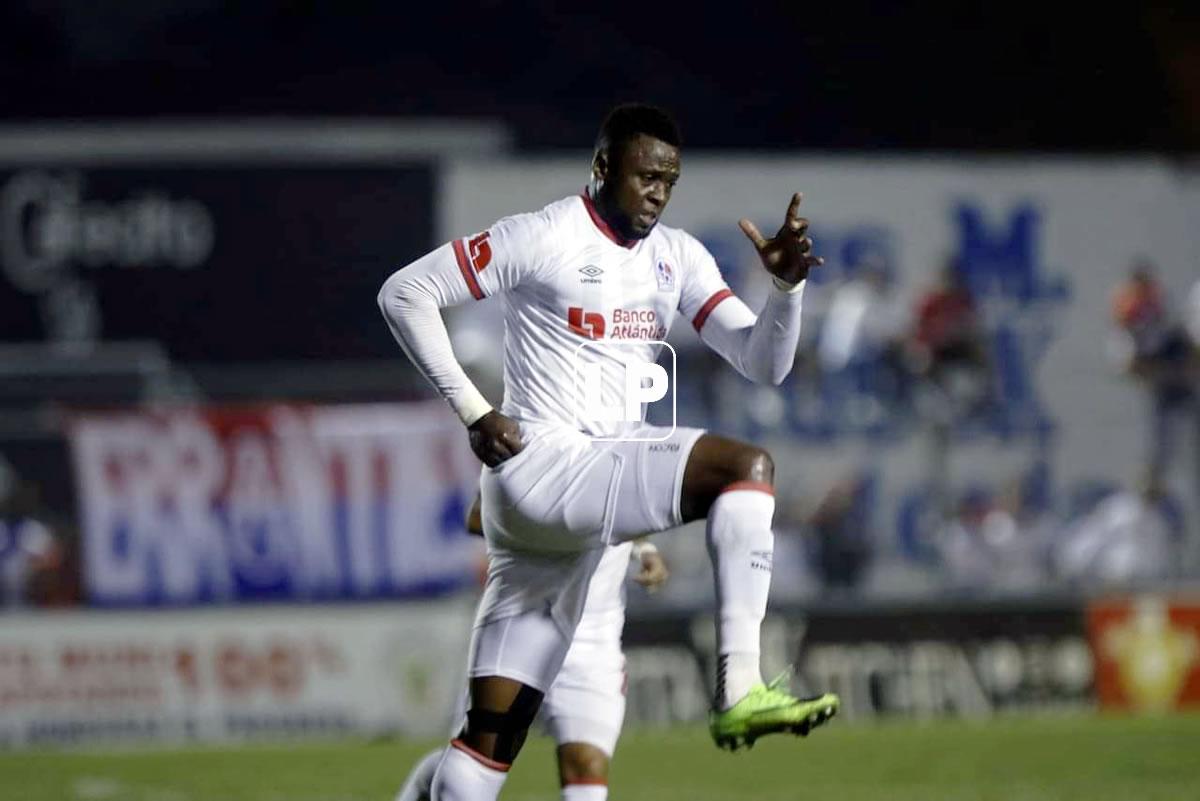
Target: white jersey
575, 292
566, 278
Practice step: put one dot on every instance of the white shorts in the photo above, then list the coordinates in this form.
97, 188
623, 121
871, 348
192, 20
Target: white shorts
548, 512
586, 702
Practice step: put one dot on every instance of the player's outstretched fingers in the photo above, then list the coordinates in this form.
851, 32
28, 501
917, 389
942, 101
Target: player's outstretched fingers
752, 233
794, 207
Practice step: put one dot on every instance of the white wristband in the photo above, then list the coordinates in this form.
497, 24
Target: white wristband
471, 405
641, 548
784, 286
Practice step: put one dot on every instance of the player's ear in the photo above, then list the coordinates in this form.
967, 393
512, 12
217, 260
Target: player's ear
600, 165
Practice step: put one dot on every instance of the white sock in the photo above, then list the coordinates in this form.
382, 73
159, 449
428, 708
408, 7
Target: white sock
464, 775
585, 792
741, 545
420, 778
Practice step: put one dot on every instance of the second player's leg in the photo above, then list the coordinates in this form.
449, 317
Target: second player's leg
582, 772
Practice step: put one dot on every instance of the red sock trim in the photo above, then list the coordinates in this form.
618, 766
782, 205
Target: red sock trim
587, 782
756, 486
480, 758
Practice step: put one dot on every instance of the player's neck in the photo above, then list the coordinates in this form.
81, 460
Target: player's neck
602, 214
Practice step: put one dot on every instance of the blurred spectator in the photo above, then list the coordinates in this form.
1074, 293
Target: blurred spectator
948, 352
861, 342
31, 554
1156, 350
990, 546
948, 346
962, 546
1192, 318
1024, 557
1130, 536
1138, 309
841, 532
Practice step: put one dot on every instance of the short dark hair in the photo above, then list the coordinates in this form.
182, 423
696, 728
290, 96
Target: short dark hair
630, 119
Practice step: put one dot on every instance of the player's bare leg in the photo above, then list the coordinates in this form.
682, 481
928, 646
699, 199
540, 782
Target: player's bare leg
731, 484
716, 462
477, 762
582, 772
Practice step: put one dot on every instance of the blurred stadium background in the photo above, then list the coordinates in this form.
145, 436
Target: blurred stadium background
231, 514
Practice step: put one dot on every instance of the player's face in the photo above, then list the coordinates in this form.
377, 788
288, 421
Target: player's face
640, 185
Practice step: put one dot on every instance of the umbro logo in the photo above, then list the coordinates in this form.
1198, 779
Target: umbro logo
591, 274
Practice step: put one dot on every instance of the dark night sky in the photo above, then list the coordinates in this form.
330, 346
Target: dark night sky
841, 75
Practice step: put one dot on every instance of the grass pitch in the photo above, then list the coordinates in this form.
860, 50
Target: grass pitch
1013, 759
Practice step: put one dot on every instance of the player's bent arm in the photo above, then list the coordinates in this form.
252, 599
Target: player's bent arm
762, 347
411, 301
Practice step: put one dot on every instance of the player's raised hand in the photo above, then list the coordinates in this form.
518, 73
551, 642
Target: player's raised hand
654, 571
788, 254
495, 438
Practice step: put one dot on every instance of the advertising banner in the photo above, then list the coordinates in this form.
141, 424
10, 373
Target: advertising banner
219, 263
922, 661
275, 502
171, 676
1147, 652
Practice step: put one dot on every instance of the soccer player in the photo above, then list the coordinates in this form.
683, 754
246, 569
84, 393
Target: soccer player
585, 706
558, 486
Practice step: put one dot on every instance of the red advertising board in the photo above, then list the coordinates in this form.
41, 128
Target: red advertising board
1147, 652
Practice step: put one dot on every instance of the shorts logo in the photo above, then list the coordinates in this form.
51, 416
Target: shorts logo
665, 276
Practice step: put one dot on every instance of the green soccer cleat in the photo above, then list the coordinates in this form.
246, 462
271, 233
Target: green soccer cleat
766, 709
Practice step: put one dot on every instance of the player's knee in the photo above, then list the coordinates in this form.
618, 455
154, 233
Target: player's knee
753, 464
500, 735
580, 763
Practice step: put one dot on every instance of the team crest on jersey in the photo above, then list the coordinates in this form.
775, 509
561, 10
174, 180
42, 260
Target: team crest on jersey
665, 275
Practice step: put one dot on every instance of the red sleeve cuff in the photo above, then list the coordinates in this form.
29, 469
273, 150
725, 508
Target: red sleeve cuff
709, 305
